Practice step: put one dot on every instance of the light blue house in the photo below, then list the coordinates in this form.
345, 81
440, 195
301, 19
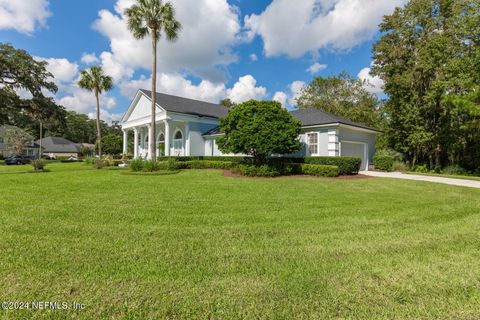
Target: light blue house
186, 127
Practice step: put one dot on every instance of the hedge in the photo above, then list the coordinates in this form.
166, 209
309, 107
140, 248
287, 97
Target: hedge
320, 170
383, 162
346, 165
207, 158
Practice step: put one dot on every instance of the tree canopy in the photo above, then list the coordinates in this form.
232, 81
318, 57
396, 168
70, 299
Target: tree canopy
341, 95
24, 82
259, 129
429, 58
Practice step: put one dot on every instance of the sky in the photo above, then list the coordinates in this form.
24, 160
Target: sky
237, 49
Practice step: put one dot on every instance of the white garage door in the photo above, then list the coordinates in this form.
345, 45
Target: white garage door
352, 149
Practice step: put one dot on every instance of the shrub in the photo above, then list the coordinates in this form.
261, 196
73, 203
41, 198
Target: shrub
383, 162
320, 170
455, 170
420, 169
150, 166
207, 158
39, 164
99, 164
89, 161
108, 160
346, 165
252, 170
399, 166
397, 156
172, 164
136, 165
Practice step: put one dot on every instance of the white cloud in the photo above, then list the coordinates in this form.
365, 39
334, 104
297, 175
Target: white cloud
281, 97
83, 101
106, 116
89, 58
309, 25
295, 91
288, 99
316, 67
176, 84
246, 89
22, 15
253, 57
63, 70
372, 84
72, 97
204, 43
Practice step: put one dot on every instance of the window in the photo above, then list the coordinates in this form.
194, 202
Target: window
178, 143
312, 142
161, 145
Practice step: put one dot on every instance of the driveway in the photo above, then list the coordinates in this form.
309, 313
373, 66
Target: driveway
399, 175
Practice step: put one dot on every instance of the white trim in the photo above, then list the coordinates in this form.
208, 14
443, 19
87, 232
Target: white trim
157, 143
134, 102
355, 128
365, 150
308, 143
182, 152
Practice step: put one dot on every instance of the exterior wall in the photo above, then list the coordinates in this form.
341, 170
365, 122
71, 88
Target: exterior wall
197, 142
211, 148
354, 135
142, 109
323, 140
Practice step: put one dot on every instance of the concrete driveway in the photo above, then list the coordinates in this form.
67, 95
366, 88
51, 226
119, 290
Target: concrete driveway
399, 175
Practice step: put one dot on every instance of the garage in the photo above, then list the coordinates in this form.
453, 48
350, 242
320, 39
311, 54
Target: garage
355, 149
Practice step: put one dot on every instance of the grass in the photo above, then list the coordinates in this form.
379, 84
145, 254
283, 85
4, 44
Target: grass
198, 245
443, 175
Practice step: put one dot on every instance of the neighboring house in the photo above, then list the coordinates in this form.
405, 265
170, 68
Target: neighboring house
31, 148
54, 147
186, 127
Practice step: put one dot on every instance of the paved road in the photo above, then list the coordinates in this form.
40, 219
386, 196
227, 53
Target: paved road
398, 175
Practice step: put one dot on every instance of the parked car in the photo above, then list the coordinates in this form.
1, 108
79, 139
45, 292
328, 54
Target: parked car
18, 160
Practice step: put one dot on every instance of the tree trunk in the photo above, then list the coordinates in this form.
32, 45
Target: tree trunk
99, 133
438, 160
151, 139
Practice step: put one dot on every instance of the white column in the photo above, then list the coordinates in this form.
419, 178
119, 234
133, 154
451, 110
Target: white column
149, 154
125, 141
187, 139
167, 137
135, 143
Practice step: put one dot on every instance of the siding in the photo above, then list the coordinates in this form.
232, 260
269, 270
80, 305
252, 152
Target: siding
359, 136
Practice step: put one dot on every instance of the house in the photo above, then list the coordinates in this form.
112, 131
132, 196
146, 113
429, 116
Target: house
31, 148
186, 127
54, 147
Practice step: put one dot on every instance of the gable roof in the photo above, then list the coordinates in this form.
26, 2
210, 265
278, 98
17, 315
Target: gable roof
58, 144
313, 117
188, 106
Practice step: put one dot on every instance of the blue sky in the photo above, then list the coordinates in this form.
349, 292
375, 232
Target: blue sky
240, 49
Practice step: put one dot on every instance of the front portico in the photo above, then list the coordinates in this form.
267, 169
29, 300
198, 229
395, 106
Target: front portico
177, 125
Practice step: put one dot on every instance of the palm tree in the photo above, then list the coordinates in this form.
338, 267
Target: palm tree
93, 79
151, 17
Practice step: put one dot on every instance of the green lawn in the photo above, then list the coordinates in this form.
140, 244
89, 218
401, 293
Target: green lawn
198, 245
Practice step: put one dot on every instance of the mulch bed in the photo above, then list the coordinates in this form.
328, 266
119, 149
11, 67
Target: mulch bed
228, 173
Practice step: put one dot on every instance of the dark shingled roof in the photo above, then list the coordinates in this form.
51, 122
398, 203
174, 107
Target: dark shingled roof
60, 145
188, 106
313, 117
